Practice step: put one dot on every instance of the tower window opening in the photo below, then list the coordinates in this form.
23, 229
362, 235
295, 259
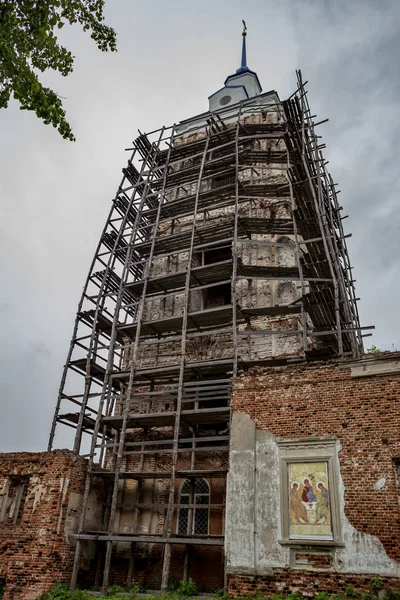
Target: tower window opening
217, 255
218, 295
200, 519
226, 178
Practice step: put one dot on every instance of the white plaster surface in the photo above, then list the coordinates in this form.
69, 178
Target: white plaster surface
253, 518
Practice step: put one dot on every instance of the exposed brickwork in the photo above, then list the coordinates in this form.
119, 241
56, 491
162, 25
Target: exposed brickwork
315, 560
288, 581
149, 560
291, 402
34, 553
364, 414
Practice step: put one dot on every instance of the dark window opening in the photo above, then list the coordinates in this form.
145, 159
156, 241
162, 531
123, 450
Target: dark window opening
225, 100
226, 178
13, 501
200, 518
215, 255
218, 295
197, 259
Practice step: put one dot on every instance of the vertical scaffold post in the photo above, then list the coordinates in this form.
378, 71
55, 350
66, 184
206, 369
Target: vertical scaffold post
169, 515
151, 155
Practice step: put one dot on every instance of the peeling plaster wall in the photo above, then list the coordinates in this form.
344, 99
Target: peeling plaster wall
318, 400
249, 293
254, 513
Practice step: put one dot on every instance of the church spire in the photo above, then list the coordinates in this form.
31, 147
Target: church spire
244, 34
243, 67
243, 84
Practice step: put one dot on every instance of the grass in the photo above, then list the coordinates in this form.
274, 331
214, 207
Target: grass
185, 589
177, 590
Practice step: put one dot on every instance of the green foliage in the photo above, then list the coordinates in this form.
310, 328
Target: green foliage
392, 595
221, 594
60, 591
135, 588
374, 350
322, 596
173, 585
114, 590
278, 597
178, 590
187, 588
28, 44
376, 584
81, 595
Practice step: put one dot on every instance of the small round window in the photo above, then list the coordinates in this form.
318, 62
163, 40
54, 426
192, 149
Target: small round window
225, 100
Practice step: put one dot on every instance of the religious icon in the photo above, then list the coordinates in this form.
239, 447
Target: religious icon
309, 505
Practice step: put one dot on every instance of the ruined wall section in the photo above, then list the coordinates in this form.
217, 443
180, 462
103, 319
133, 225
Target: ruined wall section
354, 404
36, 543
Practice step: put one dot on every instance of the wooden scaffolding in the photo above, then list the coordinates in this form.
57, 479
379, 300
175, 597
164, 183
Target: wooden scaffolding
104, 381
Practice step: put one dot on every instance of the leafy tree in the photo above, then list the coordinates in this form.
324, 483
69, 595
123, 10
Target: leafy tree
28, 43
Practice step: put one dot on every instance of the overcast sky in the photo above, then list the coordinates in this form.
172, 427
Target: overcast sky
55, 195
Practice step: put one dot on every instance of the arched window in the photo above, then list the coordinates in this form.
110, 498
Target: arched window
200, 515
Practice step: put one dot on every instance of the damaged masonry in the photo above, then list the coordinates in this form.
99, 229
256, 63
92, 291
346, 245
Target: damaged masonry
226, 425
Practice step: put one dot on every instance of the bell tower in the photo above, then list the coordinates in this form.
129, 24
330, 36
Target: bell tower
223, 250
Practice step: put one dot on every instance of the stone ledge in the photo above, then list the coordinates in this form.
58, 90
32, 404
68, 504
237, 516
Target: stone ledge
372, 367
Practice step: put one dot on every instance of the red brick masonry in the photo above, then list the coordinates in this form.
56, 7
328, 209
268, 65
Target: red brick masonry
320, 399
364, 414
34, 553
287, 581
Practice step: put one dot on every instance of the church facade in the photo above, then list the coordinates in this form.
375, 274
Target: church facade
227, 426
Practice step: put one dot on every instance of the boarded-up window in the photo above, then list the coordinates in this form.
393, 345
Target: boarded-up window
13, 501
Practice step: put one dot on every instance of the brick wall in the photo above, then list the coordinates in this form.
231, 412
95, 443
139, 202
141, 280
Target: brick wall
288, 581
322, 400
34, 551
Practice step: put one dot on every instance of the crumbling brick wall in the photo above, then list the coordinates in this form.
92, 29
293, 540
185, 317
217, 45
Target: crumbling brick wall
324, 400
286, 581
35, 545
